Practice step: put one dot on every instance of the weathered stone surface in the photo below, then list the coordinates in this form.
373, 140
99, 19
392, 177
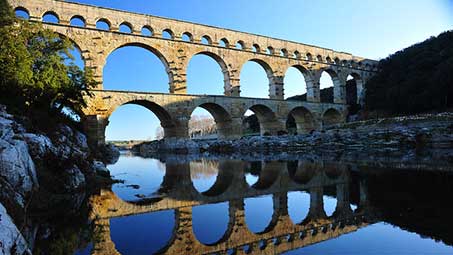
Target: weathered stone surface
11, 240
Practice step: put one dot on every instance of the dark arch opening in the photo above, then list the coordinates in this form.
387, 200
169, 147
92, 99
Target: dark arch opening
300, 121
207, 73
50, 17
240, 45
270, 50
147, 31
103, 24
224, 43
331, 117
187, 37
125, 27
77, 21
148, 72
214, 123
256, 48
167, 34
255, 78
22, 13
206, 40
354, 92
263, 117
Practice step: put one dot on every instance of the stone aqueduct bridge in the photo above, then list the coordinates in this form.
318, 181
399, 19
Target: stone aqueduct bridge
282, 234
231, 49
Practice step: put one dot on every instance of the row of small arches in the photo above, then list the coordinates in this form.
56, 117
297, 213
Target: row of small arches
126, 27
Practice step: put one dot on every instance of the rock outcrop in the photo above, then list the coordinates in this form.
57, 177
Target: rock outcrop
11, 240
58, 163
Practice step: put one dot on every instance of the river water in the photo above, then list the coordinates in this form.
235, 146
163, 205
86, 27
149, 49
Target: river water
230, 206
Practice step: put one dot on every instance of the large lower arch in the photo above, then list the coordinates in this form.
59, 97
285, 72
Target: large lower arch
226, 127
301, 119
223, 67
170, 126
331, 117
152, 50
268, 121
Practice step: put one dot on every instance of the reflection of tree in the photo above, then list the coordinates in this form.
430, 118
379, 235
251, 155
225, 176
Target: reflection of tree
203, 169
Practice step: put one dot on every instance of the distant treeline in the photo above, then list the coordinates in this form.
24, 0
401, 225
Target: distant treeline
416, 79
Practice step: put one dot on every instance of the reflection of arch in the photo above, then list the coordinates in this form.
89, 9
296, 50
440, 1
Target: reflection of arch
331, 117
266, 118
223, 180
303, 119
223, 67
222, 118
268, 175
154, 51
302, 172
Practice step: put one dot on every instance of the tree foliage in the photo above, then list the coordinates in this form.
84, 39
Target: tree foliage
416, 79
36, 67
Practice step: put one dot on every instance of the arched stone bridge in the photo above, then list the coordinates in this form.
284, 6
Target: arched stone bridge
282, 234
175, 43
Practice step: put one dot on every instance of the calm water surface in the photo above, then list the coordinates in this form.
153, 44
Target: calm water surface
270, 207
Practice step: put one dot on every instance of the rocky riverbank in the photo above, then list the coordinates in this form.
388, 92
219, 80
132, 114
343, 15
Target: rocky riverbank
41, 171
430, 135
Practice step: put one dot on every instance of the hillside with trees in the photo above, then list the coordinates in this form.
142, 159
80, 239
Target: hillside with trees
414, 80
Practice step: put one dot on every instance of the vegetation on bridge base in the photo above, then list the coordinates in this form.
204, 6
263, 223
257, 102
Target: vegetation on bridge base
416, 79
37, 73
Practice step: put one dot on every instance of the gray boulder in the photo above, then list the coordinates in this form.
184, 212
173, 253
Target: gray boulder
11, 240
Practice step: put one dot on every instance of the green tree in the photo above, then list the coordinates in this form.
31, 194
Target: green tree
34, 74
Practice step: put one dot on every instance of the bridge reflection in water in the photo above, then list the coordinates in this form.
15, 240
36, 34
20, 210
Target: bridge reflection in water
275, 179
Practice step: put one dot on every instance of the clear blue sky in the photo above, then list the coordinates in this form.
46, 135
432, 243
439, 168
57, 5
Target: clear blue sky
372, 29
